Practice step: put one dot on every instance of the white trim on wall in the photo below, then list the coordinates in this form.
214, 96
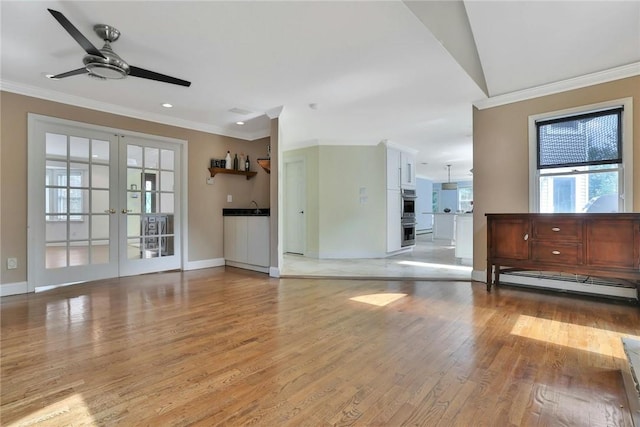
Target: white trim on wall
91, 104
599, 77
16, 288
205, 263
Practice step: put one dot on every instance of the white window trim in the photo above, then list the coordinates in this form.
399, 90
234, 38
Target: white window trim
627, 147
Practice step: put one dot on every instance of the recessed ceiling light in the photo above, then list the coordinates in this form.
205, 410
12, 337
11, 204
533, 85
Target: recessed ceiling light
167, 105
239, 123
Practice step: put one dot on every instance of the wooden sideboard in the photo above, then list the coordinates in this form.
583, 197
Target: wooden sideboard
601, 245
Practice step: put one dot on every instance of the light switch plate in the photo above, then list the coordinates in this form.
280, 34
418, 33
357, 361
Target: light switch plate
209, 181
229, 198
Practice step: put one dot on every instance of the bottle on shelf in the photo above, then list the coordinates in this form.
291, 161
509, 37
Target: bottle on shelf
235, 162
247, 164
228, 161
241, 162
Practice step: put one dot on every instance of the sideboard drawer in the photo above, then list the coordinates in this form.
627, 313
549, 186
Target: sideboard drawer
556, 253
557, 229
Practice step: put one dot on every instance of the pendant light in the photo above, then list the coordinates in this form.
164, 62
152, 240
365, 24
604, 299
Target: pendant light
449, 185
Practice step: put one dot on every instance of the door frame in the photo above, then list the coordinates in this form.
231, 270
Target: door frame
34, 121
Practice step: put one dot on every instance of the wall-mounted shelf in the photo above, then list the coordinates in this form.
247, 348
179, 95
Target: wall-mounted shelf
265, 164
249, 174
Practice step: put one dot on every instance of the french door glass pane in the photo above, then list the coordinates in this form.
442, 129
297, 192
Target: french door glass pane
99, 151
78, 148
166, 160
56, 255
166, 181
134, 155
99, 176
151, 158
100, 226
55, 145
100, 252
78, 253
166, 202
133, 249
133, 225
79, 228
99, 201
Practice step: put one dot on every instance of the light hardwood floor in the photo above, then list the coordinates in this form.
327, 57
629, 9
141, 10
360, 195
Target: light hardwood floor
229, 347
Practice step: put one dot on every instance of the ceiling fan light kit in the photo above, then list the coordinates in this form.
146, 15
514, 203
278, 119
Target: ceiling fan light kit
105, 64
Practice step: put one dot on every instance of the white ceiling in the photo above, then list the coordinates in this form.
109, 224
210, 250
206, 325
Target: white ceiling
375, 70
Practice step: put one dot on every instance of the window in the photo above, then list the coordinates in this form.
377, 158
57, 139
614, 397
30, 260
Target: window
434, 201
578, 159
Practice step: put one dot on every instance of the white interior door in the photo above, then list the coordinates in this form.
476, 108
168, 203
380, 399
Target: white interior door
149, 199
294, 203
72, 222
101, 204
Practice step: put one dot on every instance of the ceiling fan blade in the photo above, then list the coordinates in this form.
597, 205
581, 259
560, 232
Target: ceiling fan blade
77, 35
146, 74
71, 73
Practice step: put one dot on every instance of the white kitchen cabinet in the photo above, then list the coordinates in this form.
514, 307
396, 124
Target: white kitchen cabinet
246, 242
464, 236
394, 227
393, 168
407, 170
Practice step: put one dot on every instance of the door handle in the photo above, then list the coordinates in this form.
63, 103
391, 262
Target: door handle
124, 211
110, 211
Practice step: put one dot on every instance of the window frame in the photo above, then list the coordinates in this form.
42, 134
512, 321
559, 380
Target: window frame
626, 169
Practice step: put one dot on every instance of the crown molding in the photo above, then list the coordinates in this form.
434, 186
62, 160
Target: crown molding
605, 76
104, 107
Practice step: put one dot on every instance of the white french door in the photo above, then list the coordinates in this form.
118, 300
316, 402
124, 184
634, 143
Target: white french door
101, 203
149, 210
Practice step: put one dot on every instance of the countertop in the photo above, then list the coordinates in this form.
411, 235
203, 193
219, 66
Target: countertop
246, 212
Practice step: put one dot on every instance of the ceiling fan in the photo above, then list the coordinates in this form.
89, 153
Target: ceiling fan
105, 63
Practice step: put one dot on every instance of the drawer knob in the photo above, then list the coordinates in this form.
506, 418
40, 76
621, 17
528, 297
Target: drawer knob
556, 229
526, 236
555, 252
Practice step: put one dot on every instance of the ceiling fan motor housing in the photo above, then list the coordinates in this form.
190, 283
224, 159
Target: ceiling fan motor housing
110, 67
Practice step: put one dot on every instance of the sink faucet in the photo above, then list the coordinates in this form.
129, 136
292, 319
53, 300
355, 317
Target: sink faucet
257, 209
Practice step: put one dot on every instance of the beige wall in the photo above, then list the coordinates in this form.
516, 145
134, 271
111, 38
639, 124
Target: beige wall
501, 156
205, 202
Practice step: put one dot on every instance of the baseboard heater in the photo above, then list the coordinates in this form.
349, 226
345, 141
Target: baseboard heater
571, 283
631, 376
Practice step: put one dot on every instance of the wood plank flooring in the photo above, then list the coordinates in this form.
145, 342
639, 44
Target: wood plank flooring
229, 347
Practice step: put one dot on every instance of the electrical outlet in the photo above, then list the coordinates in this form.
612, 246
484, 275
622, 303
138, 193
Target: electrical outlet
210, 181
229, 198
12, 263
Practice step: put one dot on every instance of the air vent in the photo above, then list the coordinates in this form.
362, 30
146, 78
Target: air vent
240, 111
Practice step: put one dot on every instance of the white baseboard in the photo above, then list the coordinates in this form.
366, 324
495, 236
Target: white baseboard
247, 266
274, 272
205, 263
17, 288
479, 275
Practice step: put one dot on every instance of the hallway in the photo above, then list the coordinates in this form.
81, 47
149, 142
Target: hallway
428, 260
